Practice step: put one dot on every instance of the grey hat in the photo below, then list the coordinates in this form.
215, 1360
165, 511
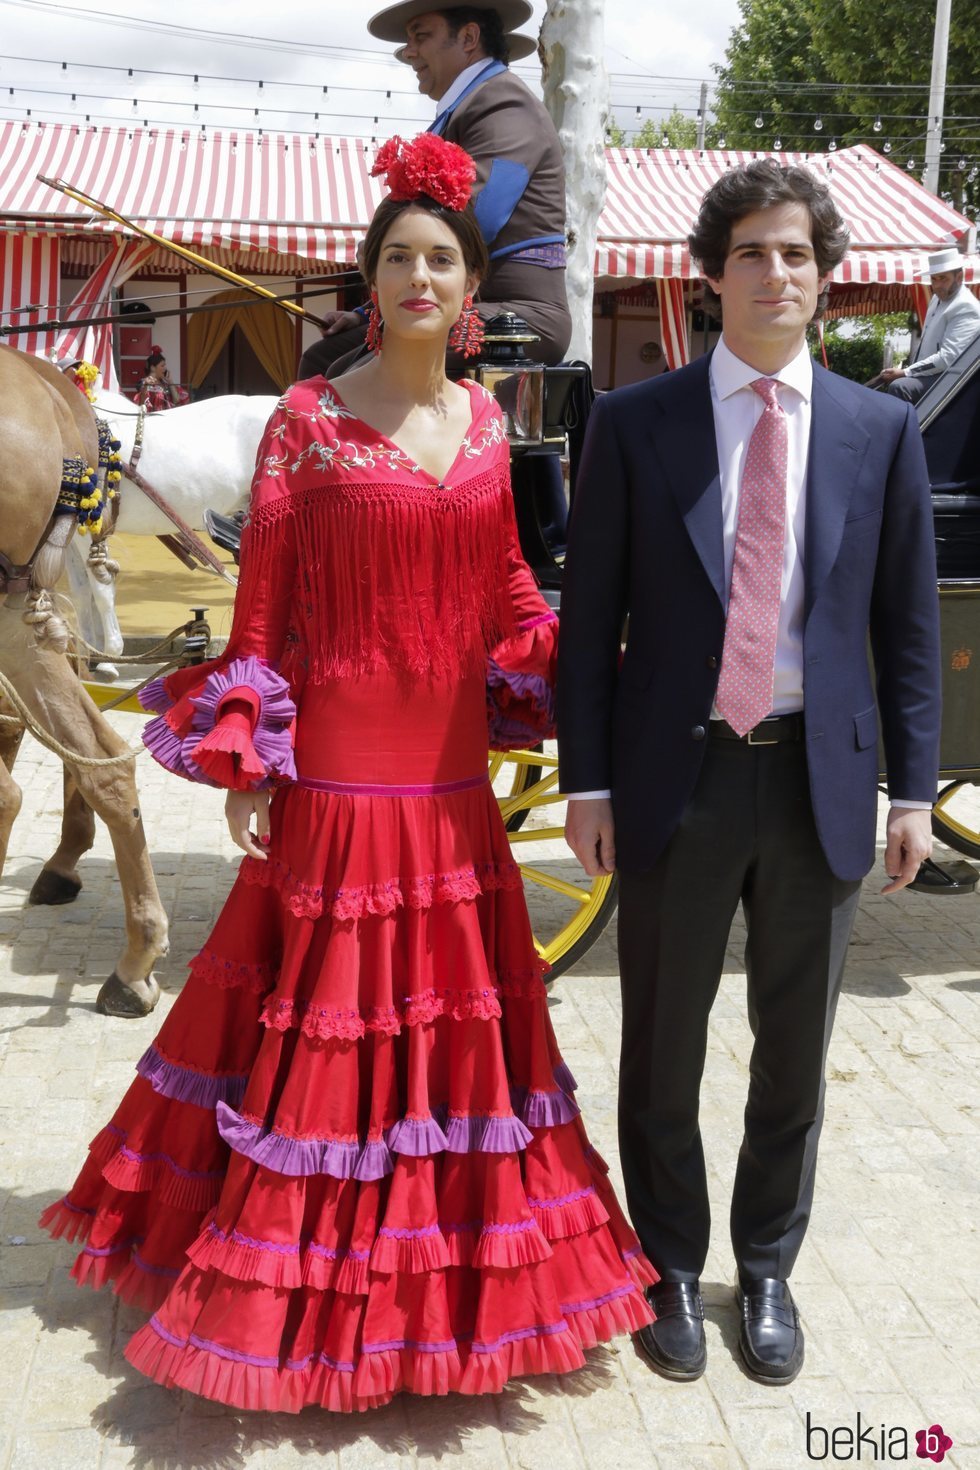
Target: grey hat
519, 46
390, 24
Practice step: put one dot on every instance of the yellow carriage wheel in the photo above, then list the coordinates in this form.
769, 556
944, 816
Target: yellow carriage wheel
568, 909
956, 817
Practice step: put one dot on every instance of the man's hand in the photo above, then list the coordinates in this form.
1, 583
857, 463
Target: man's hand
239, 806
589, 832
889, 375
909, 844
339, 321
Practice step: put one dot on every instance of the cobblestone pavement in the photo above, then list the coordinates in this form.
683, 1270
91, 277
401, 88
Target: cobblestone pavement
888, 1281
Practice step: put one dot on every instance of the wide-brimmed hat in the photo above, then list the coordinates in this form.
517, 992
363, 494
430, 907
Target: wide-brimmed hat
948, 259
390, 24
519, 46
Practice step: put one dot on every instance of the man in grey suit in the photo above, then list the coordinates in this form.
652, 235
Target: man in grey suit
459, 56
952, 323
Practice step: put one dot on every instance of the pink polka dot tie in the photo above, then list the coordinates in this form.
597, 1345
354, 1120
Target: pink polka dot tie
748, 658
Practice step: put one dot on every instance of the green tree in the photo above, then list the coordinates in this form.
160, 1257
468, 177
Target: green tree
794, 63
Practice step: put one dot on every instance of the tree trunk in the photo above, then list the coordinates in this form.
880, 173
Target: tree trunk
576, 94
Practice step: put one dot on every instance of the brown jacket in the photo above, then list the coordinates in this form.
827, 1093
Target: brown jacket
502, 122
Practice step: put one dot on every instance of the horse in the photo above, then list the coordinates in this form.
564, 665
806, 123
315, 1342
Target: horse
45, 423
200, 456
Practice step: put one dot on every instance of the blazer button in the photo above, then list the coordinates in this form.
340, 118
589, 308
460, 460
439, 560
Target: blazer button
698, 732
712, 662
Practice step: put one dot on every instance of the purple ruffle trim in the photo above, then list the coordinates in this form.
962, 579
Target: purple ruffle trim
184, 1084
271, 739
295, 1157
507, 727
478, 1133
417, 1137
165, 747
155, 697
544, 1109
301, 1157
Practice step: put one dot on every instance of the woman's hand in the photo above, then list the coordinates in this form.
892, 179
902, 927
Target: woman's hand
239, 806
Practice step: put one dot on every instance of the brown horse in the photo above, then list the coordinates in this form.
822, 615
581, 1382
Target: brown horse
44, 421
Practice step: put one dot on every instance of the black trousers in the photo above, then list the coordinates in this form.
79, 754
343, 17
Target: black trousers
748, 836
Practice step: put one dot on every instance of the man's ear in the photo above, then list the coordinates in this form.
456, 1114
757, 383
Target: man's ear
469, 36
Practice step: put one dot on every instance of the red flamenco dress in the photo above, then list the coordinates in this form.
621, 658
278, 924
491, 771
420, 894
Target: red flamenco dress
351, 1162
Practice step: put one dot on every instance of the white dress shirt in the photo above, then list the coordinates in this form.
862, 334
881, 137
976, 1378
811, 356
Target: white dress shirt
737, 409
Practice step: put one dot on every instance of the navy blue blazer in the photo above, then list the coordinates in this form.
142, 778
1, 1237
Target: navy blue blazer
646, 540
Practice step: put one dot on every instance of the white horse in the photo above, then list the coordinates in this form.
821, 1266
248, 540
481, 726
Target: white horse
199, 457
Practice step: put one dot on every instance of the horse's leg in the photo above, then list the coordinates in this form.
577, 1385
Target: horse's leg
58, 701
10, 794
58, 880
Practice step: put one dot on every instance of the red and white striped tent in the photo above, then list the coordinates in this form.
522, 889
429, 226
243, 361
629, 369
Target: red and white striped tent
290, 205
653, 196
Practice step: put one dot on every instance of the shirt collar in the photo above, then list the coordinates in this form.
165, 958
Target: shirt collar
459, 86
729, 373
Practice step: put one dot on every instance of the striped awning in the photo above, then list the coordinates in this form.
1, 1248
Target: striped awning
300, 198
653, 196
271, 192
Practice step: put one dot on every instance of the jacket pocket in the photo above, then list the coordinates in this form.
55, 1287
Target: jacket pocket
866, 728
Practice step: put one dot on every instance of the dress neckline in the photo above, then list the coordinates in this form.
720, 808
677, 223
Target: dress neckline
439, 482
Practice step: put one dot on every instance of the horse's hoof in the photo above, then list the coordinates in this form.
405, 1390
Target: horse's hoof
117, 999
51, 888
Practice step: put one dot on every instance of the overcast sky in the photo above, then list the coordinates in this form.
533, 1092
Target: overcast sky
657, 51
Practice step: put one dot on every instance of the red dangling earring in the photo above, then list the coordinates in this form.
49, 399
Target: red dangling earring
376, 325
467, 333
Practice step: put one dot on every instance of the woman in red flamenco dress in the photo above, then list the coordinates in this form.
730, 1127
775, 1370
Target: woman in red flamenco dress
351, 1163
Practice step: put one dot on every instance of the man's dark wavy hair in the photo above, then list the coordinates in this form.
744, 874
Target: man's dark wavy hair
492, 36
760, 185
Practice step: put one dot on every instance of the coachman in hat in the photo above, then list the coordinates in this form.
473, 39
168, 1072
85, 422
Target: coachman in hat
952, 323
460, 56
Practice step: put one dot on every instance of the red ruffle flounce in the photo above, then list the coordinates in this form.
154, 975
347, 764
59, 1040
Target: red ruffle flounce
352, 1163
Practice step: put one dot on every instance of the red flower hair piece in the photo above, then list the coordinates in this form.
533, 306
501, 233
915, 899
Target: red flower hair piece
427, 165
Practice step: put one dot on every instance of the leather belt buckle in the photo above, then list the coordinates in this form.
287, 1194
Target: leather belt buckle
750, 740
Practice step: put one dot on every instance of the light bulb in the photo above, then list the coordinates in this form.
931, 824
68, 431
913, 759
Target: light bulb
818, 124
962, 164
886, 146
777, 143
759, 121
665, 141
876, 125
721, 141
832, 147
196, 84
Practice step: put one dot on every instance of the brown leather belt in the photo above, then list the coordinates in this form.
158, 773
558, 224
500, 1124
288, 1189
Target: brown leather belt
767, 732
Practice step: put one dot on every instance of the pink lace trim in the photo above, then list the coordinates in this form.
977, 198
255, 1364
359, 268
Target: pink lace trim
230, 974
308, 901
420, 1009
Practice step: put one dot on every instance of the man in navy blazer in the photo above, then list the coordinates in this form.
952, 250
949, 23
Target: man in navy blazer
699, 814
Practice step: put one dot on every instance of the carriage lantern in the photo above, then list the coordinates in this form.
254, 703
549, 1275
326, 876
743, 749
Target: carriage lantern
516, 382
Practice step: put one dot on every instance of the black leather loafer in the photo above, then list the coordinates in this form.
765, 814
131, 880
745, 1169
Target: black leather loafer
674, 1344
770, 1340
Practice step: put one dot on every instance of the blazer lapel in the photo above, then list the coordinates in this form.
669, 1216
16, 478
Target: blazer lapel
838, 444
684, 440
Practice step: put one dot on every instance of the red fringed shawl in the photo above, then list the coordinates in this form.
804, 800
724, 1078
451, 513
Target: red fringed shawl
353, 552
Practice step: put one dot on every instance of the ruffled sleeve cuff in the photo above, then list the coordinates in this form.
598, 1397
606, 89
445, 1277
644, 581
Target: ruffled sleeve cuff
521, 685
234, 730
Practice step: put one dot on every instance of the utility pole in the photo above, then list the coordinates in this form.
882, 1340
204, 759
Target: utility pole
702, 114
937, 95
